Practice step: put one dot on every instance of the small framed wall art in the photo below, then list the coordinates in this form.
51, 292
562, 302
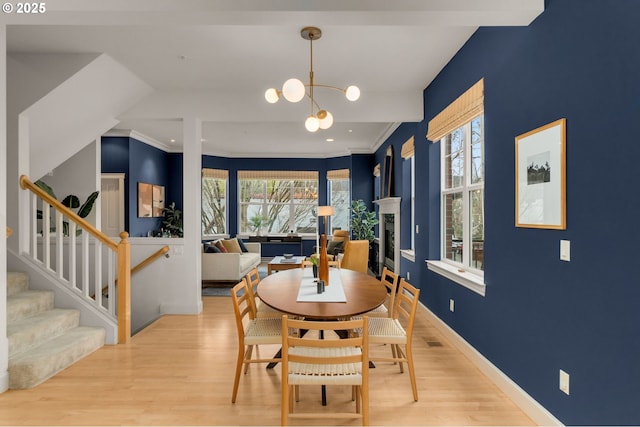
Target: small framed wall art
541, 177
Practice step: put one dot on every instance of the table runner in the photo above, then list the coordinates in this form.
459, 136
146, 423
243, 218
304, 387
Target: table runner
308, 291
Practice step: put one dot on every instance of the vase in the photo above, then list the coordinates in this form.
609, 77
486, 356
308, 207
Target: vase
323, 270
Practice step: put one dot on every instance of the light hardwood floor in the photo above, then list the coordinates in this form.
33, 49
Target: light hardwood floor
179, 371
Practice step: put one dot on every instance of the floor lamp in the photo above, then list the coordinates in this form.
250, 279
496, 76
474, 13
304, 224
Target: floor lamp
325, 212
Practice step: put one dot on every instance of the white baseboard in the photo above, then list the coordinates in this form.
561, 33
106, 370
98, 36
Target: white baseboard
4, 381
526, 403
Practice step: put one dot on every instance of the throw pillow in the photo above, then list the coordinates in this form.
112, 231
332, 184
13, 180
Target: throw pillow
333, 248
232, 246
211, 249
243, 248
220, 246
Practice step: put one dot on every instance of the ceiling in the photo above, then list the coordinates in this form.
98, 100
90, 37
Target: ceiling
214, 59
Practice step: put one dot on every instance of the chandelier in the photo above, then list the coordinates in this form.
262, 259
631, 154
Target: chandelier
294, 90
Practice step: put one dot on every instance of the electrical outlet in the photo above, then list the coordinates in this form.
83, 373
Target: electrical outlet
564, 381
451, 305
178, 250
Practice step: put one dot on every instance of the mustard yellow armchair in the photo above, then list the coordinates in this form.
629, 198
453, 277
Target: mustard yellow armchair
356, 255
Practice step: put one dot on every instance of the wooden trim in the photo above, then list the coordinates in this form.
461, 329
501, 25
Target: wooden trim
26, 184
151, 258
124, 289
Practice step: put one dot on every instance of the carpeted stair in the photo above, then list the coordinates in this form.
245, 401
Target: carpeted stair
43, 340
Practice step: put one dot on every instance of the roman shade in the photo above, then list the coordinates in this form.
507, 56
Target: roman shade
293, 175
215, 173
338, 174
408, 149
466, 107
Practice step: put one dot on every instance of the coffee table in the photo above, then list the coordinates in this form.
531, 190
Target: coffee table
281, 263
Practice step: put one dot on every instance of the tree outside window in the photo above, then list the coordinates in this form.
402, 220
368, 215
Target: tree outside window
214, 201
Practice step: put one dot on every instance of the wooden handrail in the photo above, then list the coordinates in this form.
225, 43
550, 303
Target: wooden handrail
151, 258
163, 250
122, 250
26, 184
9, 231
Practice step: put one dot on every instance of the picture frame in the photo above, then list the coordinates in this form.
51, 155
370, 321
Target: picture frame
150, 200
541, 177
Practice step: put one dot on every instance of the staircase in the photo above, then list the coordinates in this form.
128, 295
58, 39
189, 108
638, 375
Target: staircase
43, 340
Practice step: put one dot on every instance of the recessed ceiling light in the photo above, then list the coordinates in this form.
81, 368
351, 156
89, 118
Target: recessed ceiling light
330, 139
350, 130
172, 140
203, 140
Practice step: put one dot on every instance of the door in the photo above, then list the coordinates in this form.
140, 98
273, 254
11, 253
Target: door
112, 201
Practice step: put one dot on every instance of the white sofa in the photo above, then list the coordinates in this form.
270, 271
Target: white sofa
230, 267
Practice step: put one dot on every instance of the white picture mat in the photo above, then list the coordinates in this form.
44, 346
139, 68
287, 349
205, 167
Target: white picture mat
541, 204
308, 291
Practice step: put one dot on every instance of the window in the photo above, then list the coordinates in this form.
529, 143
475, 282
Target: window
463, 195
339, 198
214, 201
284, 200
460, 130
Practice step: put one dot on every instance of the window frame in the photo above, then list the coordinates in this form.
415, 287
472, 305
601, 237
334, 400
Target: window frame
330, 182
226, 206
265, 203
463, 273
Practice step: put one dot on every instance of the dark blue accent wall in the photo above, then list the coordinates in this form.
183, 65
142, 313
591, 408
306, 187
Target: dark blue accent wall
141, 162
578, 60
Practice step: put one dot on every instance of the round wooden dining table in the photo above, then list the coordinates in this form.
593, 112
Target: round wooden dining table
363, 293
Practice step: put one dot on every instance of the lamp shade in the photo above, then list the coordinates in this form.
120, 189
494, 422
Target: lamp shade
325, 210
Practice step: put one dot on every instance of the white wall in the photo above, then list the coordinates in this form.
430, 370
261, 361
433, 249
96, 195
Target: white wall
4, 344
77, 176
161, 288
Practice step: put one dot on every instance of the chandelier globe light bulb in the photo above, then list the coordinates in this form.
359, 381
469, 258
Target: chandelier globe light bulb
271, 95
326, 121
352, 93
312, 123
293, 90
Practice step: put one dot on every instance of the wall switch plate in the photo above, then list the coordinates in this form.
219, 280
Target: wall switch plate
417, 229
451, 305
564, 381
408, 275
565, 250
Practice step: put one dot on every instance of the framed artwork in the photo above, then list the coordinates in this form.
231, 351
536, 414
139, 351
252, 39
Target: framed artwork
150, 200
541, 177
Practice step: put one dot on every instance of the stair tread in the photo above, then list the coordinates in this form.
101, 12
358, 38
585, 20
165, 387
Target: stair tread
40, 363
17, 281
28, 303
30, 331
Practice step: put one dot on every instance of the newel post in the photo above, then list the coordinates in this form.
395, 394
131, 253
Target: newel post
124, 289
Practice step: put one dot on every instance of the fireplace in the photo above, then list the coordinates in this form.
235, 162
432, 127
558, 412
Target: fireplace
389, 233
388, 223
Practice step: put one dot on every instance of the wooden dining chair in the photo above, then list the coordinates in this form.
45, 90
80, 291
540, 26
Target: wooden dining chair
390, 280
309, 361
252, 331
261, 309
397, 331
